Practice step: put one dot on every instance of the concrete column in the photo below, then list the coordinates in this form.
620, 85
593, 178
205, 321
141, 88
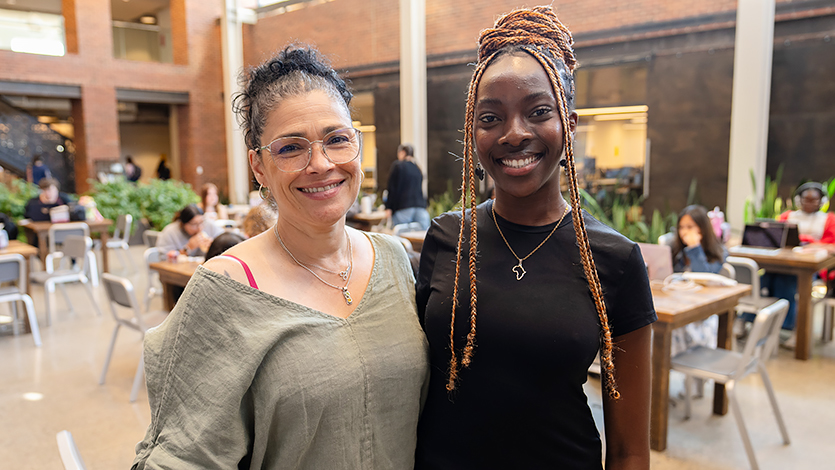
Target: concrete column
413, 127
231, 29
753, 50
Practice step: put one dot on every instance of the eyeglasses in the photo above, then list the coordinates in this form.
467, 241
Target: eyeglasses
292, 154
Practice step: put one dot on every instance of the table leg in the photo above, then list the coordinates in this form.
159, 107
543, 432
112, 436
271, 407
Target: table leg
168, 296
724, 340
105, 266
43, 247
803, 328
660, 404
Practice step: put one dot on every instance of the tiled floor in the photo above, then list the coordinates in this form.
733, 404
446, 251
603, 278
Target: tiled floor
106, 427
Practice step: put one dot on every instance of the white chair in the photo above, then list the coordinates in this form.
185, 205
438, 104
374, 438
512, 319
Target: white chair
120, 238
150, 237
70, 456
666, 239
121, 295
727, 367
152, 255
13, 269
57, 233
74, 247
728, 271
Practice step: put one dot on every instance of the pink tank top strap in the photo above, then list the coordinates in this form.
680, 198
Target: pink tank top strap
249, 276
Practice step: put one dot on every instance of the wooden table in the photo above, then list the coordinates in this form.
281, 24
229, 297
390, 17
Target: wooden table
676, 309
803, 264
364, 221
41, 230
415, 238
173, 274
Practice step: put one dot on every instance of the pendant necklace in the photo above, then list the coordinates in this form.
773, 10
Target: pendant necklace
345, 275
518, 269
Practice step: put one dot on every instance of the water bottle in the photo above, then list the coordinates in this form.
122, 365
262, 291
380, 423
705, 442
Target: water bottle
4, 239
717, 218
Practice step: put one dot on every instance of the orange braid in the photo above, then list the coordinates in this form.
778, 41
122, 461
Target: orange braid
539, 33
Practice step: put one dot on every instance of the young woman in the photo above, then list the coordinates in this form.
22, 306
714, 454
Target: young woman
210, 203
509, 394
696, 249
300, 348
188, 234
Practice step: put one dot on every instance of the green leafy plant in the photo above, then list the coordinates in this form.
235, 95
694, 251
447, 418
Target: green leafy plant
625, 215
162, 199
13, 198
157, 201
771, 205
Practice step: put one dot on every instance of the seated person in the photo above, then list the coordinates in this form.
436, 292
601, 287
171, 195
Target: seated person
210, 203
814, 227
37, 209
223, 242
259, 219
696, 249
7, 224
188, 234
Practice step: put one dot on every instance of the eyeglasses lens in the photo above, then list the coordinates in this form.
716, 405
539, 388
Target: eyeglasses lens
293, 153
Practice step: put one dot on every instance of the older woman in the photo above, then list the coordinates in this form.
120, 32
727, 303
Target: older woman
299, 348
509, 393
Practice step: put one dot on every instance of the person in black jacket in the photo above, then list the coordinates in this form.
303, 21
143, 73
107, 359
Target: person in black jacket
7, 224
405, 203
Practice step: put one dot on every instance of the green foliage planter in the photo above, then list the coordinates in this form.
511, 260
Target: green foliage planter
157, 201
13, 198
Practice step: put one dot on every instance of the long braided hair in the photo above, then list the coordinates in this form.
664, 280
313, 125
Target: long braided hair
538, 32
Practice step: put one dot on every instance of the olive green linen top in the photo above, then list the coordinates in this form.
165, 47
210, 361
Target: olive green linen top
238, 378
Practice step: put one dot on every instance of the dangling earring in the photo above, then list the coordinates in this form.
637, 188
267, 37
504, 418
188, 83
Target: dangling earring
261, 193
479, 171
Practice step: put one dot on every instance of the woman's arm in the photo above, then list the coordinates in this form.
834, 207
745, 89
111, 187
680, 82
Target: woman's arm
627, 419
699, 262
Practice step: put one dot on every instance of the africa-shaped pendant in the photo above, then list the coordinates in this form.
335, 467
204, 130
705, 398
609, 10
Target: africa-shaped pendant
347, 295
519, 271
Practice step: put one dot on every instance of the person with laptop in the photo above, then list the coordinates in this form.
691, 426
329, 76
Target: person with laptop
696, 249
814, 227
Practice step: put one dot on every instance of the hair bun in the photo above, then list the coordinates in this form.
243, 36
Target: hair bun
538, 27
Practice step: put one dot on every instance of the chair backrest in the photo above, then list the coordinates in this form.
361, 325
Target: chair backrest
150, 237
59, 232
728, 271
666, 239
123, 225
764, 335
13, 269
76, 247
70, 456
120, 293
153, 255
746, 273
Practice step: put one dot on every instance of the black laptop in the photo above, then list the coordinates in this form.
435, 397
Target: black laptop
771, 235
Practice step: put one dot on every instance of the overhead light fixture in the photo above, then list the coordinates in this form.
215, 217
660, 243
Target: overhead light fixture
148, 19
613, 110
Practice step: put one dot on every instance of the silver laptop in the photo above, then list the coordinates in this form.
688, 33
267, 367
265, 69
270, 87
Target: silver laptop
659, 260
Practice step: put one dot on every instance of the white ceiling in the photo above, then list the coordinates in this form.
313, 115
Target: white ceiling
122, 10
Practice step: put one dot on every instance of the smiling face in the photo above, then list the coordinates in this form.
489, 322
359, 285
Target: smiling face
518, 131
322, 193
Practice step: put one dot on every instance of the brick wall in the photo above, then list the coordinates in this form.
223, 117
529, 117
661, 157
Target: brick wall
90, 64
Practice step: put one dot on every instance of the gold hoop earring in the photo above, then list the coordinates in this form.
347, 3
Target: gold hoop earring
261, 192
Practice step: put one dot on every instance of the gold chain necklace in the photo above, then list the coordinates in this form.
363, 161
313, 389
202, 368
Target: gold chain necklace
518, 269
344, 289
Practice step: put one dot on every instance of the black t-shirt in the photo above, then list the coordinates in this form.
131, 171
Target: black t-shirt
38, 211
405, 186
521, 403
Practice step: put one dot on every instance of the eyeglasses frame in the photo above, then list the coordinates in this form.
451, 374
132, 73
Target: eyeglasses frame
310, 149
